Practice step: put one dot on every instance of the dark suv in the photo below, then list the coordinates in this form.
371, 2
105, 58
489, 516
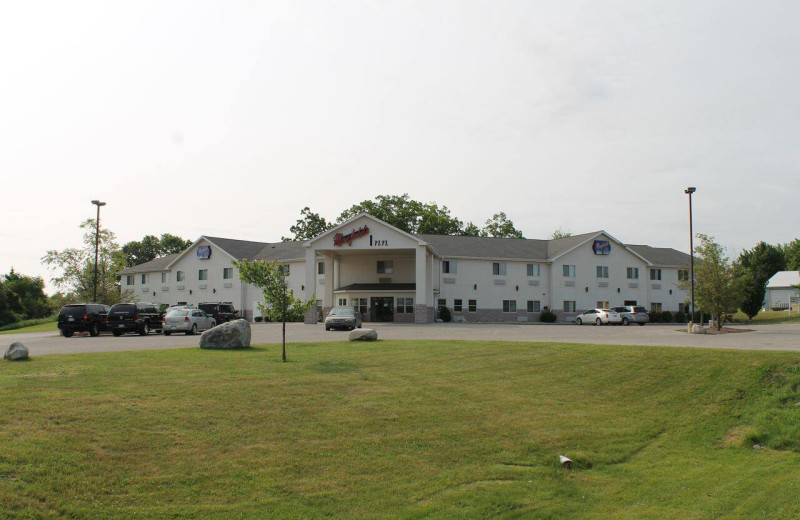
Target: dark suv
137, 317
82, 317
221, 312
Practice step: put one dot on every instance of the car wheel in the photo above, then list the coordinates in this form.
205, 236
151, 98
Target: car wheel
598, 321
193, 331
167, 333
579, 321
117, 333
327, 328
214, 324
625, 321
67, 334
641, 324
145, 330
94, 330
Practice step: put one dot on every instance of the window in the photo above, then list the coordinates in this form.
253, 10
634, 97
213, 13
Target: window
385, 266
449, 267
457, 307
129, 279
179, 276
405, 305
442, 302
602, 271
321, 268
655, 274
509, 306
164, 277
473, 305
319, 305
633, 273
603, 305
533, 270
655, 307
683, 275
342, 302
202, 274
499, 268
682, 307
534, 306
569, 306
284, 269
227, 273
361, 305
569, 271
144, 279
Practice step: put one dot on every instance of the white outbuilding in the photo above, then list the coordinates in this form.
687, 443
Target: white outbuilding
782, 290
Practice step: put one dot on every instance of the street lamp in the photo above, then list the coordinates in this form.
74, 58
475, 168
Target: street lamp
689, 191
96, 244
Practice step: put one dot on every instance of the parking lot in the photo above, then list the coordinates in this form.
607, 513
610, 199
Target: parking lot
762, 337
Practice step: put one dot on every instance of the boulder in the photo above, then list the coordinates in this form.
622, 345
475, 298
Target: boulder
363, 335
233, 334
698, 329
16, 352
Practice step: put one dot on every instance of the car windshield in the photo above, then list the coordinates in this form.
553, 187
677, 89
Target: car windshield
343, 311
73, 310
639, 309
178, 313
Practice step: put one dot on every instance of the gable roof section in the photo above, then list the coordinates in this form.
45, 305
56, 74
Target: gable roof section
784, 279
662, 256
487, 247
239, 249
156, 264
347, 222
558, 246
294, 250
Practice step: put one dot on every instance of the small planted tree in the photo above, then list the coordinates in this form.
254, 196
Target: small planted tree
715, 288
279, 302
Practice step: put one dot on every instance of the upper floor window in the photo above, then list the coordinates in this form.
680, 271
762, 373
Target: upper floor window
144, 278
683, 275
633, 273
569, 271
284, 269
602, 271
227, 273
179, 276
164, 277
385, 266
533, 270
129, 279
202, 274
499, 268
321, 268
449, 267
655, 274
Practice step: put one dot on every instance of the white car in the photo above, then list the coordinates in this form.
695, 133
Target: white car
190, 321
599, 317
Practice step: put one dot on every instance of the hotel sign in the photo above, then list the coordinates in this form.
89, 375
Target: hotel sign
601, 247
340, 239
203, 252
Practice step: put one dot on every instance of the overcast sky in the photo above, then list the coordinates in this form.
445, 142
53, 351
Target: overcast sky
227, 118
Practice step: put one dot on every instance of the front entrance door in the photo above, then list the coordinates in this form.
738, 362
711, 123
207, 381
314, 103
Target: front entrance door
382, 308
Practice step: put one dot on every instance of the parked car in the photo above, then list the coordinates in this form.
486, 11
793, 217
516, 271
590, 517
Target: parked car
221, 312
139, 317
189, 321
343, 318
82, 317
632, 314
599, 317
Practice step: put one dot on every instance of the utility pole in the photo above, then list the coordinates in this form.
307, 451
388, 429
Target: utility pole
689, 191
96, 245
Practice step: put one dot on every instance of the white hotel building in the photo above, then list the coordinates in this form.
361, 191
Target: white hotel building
391, 275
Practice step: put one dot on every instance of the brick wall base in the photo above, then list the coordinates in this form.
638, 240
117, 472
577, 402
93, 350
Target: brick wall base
423, 314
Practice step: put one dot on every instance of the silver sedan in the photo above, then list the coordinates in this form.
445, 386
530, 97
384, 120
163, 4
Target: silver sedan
190, 321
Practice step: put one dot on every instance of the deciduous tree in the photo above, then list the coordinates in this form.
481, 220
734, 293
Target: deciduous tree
308, 226
560, 233
715, 290
501, 227
753, 269
150, 247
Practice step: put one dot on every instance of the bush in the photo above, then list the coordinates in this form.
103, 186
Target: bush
548, 317
445, 315
680, 317
655, 317
259, 319
666, 317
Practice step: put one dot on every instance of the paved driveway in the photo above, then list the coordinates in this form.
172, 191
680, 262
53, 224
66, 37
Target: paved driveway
763, 337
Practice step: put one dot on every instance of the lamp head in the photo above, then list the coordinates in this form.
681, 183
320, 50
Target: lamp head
98, 203
690, 190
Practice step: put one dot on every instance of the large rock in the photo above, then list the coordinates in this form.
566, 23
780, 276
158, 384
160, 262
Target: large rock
233, 334
363, 335
698, 329
16, 351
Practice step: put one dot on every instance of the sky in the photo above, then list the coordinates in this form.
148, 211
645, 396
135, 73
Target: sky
227, 118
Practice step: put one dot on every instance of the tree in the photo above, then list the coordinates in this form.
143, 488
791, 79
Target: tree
26, 297
791, 255
308, 226
150, 247
270, 277
73, 268
501, 227
471, 230
560, 233
753, 269
715, 290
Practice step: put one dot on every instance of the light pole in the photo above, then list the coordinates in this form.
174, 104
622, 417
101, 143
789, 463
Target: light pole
689, 191
96, 244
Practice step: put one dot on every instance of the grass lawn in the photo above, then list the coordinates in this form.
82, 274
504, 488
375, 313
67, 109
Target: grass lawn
402, 429
764, 317
43, 325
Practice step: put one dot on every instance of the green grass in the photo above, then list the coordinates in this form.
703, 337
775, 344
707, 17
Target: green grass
409, 429
766, 317
40, 325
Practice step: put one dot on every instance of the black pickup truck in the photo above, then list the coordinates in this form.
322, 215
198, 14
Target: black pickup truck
139, 317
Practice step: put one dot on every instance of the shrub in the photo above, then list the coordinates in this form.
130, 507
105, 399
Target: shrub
259, 319
548, 317
655, 317
445, 315
666, 317
680, 317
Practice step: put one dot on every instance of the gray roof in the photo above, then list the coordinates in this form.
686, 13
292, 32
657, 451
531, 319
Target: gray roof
157, 264
282, 251
560, 245
662, 256
239, 249
487, 247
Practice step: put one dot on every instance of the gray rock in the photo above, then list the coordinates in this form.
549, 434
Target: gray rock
16, 352
698, 329
363, 335
234, 334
